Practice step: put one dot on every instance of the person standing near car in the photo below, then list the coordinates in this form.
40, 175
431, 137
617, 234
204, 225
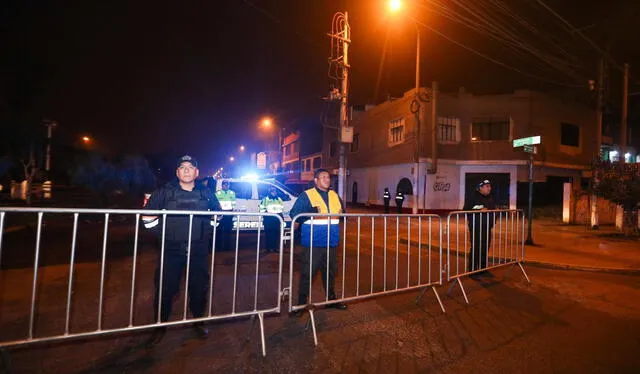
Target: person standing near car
186, 241
227, 199
272, 203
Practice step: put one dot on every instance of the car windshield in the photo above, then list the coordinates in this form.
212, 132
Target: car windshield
282, 186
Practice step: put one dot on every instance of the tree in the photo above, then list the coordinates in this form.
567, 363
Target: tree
620, 183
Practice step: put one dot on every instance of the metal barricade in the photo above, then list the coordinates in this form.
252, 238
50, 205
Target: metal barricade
380, 254
91, 273
478, 241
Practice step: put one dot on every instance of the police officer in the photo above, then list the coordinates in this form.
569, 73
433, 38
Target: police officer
399, 201
480, 224
272, 204
227, 199
182, 194
319, 199
386, 197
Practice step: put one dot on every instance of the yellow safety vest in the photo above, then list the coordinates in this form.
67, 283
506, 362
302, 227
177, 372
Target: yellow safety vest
317, 202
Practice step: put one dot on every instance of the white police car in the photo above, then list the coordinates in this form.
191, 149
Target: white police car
249, 192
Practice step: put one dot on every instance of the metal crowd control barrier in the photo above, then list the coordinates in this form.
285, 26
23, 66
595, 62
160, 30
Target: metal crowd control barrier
478, 241
60, 302
394, 253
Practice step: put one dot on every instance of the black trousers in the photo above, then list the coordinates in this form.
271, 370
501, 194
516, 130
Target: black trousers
318, 262
399, 205
271, 233
224, 234
175, 262
480, 234
386, 206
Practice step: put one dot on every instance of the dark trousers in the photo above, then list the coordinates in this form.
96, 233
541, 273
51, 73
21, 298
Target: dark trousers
481, 242
271, 233
386, 206
224, 234
399, 205
175, 262
318, 262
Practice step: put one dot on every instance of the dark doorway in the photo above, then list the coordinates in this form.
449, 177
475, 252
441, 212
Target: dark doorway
500, 183
405, 186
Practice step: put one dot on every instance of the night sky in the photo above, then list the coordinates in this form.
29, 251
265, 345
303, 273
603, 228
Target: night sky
170, 76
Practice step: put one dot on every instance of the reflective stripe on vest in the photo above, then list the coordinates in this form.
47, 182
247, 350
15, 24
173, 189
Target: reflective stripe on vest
322, 222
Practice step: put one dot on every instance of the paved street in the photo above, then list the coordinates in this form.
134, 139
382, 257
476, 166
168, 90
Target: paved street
566, 321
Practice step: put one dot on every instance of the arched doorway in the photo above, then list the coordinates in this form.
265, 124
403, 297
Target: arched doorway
405, 186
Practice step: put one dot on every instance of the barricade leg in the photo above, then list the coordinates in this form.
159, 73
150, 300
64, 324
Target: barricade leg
424, 290
312, 320
459, 282
521, 269
264, 345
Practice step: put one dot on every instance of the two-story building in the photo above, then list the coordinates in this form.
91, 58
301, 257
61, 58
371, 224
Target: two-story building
474, 140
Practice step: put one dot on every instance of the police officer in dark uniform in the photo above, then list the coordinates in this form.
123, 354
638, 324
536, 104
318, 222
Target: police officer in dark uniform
480, 224
399, 201
184, 193
386, 197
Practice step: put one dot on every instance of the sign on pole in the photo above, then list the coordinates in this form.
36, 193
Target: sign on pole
526, 141
531, 149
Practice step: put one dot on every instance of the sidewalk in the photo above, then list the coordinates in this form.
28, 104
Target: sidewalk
557, 244
579, 247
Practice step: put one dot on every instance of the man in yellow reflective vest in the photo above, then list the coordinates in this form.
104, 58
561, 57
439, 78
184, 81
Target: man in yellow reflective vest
227, 199
272, 204
319, 236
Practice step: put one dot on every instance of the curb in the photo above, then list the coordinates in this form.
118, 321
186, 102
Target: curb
548, 265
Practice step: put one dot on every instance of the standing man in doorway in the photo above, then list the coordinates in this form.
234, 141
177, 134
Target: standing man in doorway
399, 201
480, 224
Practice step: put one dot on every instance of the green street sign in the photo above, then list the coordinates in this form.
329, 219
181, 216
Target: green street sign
530, 149
526, 141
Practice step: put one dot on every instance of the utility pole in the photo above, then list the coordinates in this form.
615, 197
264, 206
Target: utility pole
529, 240
625, 114
599, 118
50, 125
416, 161
340, 40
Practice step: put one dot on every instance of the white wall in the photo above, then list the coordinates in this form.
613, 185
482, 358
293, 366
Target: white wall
443, 190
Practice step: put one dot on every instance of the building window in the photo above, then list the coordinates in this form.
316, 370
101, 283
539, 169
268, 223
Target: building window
448, 129
490, 129
332, 149
355, 143
569, 134
316, 163
396, 132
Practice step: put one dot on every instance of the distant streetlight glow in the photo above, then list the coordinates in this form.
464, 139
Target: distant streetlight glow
394, 6
266, 122
232, 159
86, 139
242, 148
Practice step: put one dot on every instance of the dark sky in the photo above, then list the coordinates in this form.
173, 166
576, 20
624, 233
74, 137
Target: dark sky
152, 76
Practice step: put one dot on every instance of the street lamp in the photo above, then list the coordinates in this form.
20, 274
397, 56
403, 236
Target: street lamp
86, 139
232, 159
242, 148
